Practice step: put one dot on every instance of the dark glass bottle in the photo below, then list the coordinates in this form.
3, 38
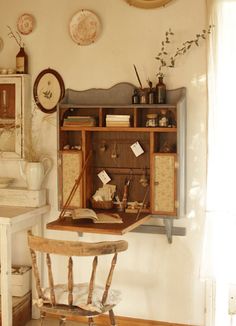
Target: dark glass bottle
151, 94
161, 91
21, 62
135, 97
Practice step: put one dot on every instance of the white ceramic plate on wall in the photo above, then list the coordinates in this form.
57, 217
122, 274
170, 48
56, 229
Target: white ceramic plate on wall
25, 24
85, 27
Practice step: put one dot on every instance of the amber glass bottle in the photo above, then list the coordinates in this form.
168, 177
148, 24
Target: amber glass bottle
161, 91
21, 62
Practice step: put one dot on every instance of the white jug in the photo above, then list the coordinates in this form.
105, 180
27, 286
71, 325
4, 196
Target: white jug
34, 173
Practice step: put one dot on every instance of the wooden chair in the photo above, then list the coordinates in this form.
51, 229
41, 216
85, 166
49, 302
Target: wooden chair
50, 301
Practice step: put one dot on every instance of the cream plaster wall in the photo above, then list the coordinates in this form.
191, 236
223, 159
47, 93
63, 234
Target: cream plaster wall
159, 281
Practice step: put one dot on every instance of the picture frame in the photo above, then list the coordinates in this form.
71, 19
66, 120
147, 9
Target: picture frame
48, 90
148, 4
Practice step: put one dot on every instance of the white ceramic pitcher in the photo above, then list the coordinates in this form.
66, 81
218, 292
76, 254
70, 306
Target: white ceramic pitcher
34, 173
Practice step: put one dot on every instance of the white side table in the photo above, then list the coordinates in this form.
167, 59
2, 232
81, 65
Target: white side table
14, 219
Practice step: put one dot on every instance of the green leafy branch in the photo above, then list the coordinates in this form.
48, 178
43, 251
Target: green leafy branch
166, 60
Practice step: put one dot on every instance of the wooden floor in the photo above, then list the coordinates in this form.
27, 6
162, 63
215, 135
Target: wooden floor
122, 321
53, 322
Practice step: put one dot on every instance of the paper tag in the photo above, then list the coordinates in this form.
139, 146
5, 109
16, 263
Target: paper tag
104, 177
137, 149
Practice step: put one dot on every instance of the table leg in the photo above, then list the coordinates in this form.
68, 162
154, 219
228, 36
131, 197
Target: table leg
6, 260
37, 230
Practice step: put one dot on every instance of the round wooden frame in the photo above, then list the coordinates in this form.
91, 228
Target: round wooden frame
48, 90
147, 4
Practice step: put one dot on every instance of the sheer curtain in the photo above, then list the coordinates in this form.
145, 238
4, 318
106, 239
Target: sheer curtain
220, 231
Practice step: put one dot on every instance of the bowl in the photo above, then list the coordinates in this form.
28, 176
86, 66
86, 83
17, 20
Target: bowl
5, 181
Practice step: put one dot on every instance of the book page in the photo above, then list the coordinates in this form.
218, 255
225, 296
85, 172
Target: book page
84, 213
108, 218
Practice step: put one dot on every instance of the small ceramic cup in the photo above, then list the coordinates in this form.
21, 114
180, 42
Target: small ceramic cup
3, 71
11, 71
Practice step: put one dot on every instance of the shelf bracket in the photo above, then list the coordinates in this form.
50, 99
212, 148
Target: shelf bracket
169, 228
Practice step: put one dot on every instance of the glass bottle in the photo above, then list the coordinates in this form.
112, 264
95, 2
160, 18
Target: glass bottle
151, 94
135, 97
161, 91
21, 62
163, 119
143, 96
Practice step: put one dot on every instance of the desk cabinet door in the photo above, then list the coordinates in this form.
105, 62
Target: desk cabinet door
164, 188
69, 170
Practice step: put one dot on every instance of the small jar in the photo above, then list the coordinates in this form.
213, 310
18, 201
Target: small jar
151, 120
143, 96
163, 119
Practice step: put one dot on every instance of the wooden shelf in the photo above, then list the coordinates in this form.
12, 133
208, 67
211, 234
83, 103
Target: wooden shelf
129, 223
118, 106
109, 129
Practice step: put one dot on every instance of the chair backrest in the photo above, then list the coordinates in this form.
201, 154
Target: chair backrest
71, 249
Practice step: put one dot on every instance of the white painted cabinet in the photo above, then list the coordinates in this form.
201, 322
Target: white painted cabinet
15, 114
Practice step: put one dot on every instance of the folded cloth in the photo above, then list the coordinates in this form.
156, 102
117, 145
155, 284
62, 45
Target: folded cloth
80, 296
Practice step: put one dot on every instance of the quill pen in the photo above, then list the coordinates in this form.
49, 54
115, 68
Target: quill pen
137, 75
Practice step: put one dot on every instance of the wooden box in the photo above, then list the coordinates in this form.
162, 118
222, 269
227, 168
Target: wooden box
21, 311
22, 197
21, 280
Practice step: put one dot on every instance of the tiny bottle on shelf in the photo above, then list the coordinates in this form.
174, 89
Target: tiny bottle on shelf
135, 97
163, 119
143, 96
151, 94
21, 62
161, 91
171, 119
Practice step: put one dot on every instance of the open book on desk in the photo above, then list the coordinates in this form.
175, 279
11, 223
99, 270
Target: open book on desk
86, 213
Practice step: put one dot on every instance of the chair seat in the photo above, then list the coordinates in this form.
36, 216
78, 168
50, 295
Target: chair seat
80, 296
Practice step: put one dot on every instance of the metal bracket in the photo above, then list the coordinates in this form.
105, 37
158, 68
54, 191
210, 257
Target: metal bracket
168, 229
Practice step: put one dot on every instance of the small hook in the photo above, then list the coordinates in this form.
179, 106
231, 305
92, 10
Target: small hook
114, 153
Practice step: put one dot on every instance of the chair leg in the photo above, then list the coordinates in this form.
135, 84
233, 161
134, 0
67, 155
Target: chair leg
91, 321
42, 317
62, 321
112, 318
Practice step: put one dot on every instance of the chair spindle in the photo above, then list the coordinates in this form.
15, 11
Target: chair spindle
109, 279
36, 273
92, 279
50, 279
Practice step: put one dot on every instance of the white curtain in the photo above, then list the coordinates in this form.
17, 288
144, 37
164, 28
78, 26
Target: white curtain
220, 232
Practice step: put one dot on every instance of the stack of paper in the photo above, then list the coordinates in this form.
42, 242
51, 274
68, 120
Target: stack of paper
117, 120
105, 193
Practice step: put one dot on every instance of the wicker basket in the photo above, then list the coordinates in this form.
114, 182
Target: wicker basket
101, 204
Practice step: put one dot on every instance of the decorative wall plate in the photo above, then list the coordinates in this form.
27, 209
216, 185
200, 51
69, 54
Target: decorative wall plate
48, 90
85, 27
25, 24
147, 4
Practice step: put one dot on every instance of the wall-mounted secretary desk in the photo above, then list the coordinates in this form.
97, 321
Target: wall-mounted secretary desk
102, 124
